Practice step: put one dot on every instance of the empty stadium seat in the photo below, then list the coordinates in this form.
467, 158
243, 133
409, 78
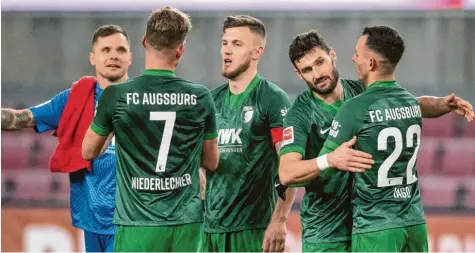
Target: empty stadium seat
15, 150
439, 127
437, 191
459, 157
426, 159
469, 130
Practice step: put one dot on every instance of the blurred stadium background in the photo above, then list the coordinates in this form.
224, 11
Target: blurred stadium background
45, 46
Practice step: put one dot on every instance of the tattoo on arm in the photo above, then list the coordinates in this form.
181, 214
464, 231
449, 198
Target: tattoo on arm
16, 119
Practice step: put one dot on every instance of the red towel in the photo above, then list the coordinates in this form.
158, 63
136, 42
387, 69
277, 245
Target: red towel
75, 120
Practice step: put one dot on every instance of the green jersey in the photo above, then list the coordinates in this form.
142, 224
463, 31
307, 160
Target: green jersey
325, 211
387, 121
159, 122
240, 194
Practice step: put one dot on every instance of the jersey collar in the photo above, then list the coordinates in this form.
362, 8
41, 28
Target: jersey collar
158, 72
239, 98
385, 84
332, 108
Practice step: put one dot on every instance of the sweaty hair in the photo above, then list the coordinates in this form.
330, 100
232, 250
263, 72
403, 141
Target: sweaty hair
255, 25
386, 42
108, 30
167, 28
303, 43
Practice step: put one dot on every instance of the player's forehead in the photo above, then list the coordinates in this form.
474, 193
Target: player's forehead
114, 40
311, 57
361, 44
242, 33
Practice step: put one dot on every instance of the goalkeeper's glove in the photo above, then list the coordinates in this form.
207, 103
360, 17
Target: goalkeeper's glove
281, 189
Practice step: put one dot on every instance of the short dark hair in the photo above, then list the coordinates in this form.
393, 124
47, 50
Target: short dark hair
303, 43
255, 25
167, 28
108, 30
386, 42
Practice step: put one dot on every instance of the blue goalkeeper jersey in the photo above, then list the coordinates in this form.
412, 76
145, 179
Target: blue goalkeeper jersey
92, 197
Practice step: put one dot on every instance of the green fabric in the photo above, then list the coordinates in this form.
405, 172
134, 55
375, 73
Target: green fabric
235, 100
325, 211
158, 72
327, 247
405, 239
157, 115
240, 194
179, 238
386, 119
242, 241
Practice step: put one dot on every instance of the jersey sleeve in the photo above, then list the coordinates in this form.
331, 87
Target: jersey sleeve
48, 114
102, 123
276, 108
210, 121
296, 126
345, 125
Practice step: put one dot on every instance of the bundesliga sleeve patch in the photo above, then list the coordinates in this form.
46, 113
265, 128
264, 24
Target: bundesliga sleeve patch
288, 136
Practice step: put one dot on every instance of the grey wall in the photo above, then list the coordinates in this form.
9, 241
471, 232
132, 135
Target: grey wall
42, 53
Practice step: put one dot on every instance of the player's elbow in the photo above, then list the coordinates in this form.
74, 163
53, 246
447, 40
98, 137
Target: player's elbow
285, 176
210, 156
211, 162
88, 152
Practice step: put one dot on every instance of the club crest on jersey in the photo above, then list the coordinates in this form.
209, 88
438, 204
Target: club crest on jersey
247, 113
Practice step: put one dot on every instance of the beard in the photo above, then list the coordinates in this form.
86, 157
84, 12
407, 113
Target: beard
333, 82
113, 78
238, 71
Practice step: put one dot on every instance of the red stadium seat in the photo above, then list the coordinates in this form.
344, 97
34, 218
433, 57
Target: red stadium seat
469, 130
48, 144
437, 191
470, 198
426, 159
459, 157
32, 185
439, 127
15, 150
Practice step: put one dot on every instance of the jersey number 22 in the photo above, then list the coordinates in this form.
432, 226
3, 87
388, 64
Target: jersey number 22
383, 180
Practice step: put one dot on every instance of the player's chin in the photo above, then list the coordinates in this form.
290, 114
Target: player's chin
115, 76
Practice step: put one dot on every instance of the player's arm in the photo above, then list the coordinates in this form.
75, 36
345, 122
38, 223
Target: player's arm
101, 127
433, 107
276, 108
343, 132
13, 120
43, 117
295, 172
210, 153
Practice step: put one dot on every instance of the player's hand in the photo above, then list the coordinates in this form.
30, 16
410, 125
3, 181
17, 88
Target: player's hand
280, 188
459, 106
347, 159
274, 237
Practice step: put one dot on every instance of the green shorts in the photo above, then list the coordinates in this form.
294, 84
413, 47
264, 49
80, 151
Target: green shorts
179, 238
326, 247
405, 239
242, 241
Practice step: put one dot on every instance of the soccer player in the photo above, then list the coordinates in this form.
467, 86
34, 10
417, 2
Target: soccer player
92, 192
307, 125
387, 121
241, 213
164, 126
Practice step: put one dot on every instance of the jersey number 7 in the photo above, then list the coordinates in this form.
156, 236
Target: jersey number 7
169, 118
383, 180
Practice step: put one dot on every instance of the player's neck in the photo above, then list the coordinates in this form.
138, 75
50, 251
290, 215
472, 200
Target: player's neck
379, 78
239, 84
336, 95
164, 63
104, 82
